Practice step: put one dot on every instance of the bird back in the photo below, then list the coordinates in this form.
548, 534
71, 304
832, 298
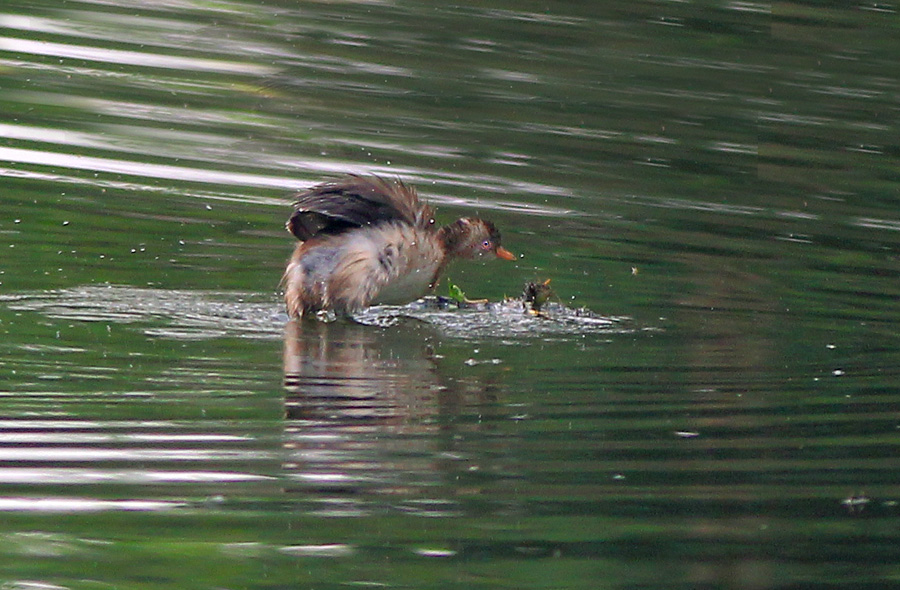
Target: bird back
356, 201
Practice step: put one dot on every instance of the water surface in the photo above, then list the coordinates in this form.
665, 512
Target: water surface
710, 186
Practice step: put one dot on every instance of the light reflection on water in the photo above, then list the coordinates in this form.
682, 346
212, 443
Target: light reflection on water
656, 161
131, 58
77, 505
187, 314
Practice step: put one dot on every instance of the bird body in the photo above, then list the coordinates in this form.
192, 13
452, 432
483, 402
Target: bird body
368, 241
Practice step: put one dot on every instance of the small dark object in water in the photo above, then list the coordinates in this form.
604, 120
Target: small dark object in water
535, 295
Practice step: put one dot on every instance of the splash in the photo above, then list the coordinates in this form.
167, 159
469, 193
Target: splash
195, 315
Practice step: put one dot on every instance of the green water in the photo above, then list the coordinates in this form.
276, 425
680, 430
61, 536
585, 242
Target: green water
711, 188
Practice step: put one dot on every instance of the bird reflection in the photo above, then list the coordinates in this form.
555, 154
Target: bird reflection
363, 408
352, 373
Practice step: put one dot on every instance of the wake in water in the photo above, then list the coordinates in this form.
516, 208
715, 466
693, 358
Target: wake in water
210, 314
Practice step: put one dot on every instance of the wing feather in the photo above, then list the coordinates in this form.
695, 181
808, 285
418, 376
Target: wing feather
356, 201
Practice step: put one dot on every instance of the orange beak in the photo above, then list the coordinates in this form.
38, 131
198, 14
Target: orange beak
505, 254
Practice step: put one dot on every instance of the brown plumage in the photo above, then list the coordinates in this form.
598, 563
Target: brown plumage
365, 240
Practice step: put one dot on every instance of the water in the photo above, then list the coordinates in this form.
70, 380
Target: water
711, 401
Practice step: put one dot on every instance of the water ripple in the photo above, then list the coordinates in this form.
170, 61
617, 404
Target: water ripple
133, 58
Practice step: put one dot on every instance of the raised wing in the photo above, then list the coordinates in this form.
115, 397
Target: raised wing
356, 201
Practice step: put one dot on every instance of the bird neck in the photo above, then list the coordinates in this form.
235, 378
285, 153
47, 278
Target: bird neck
453, 236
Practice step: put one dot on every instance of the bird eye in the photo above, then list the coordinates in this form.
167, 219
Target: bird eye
486, 244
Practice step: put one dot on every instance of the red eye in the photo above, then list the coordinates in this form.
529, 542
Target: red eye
486, 245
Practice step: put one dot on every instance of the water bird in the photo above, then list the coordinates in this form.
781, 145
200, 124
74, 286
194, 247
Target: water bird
365, 240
